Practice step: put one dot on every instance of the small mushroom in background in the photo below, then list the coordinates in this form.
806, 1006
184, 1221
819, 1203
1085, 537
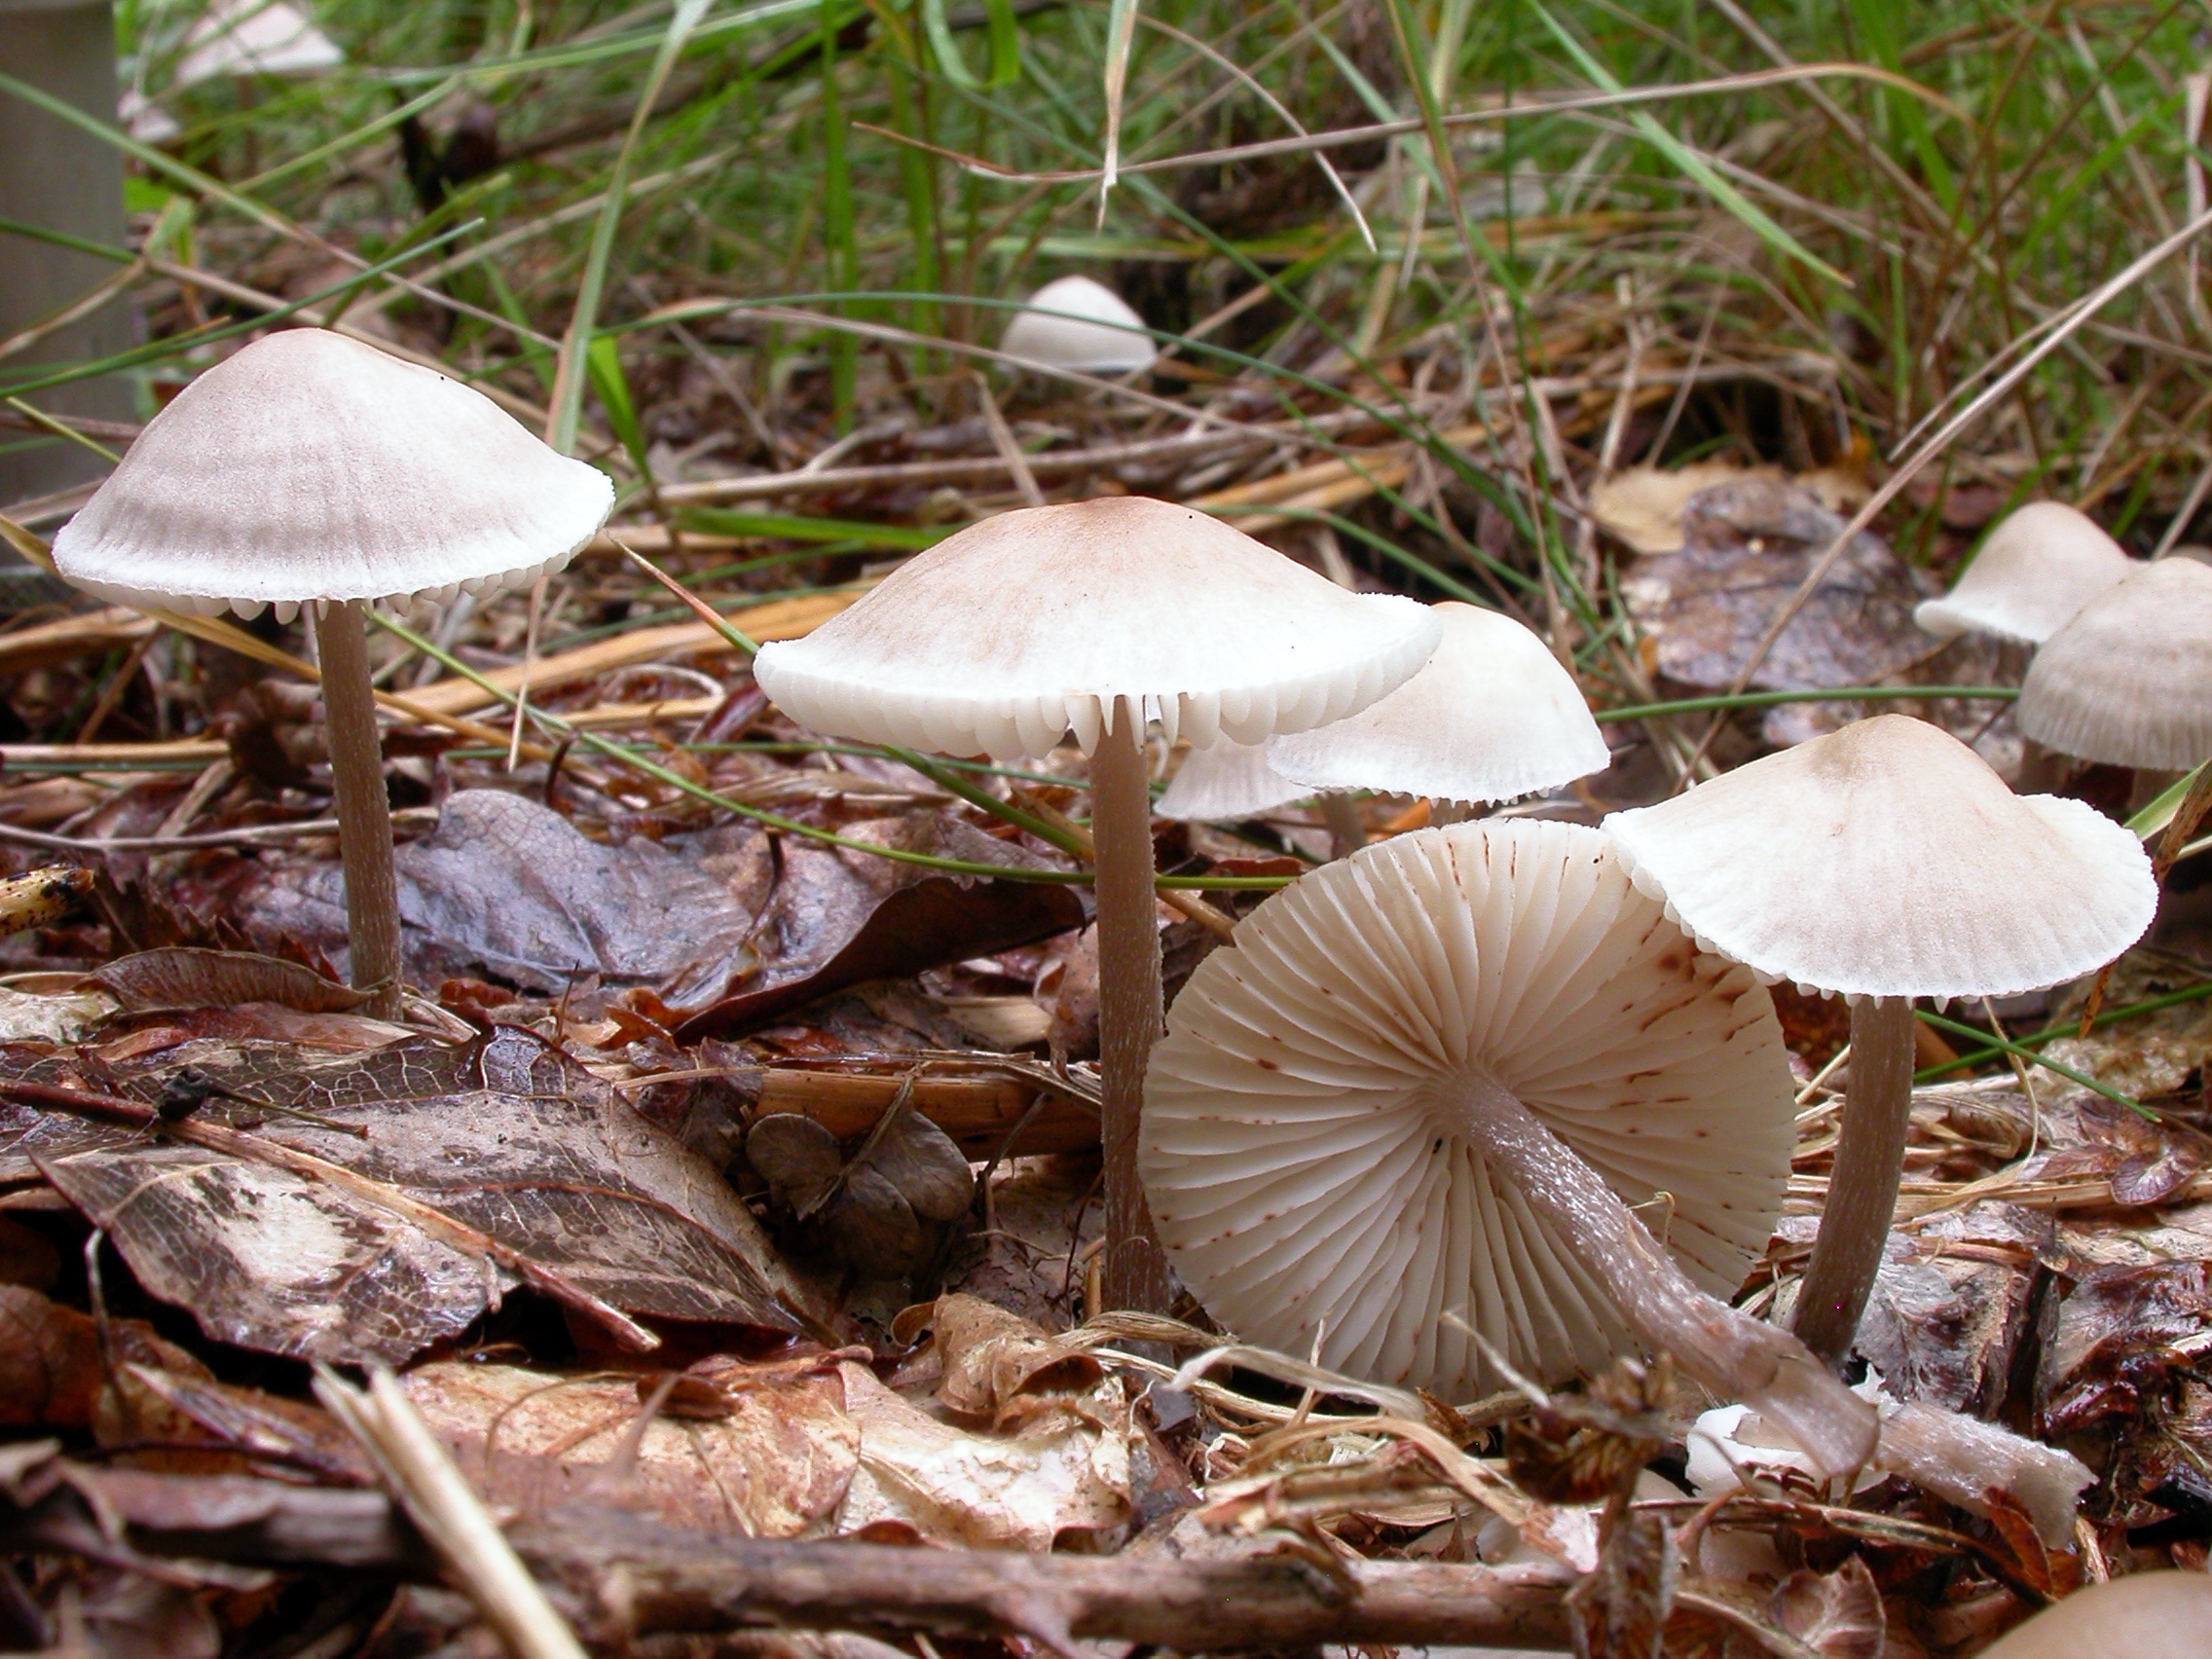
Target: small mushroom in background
311, 470
2031, 575
2145, 1615
1491, 717
1882, 862
254, 37
1076, 323
1102, 616
2129, 681
1406, 1112
233, 40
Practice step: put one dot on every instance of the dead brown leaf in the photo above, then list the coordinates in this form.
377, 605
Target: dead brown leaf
774, 1464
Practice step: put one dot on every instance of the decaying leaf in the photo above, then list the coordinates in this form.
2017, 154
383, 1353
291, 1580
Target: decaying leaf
837, 917
882, 1211
61, 1017
180, 978
50, 1361
998, 1365
1746, 547
1064, 1472
2124, 1335
1642, 505
505, 1135
773, 1462
506, 888
1838, 1615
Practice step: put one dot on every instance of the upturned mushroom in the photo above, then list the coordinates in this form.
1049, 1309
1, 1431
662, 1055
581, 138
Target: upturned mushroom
1491, 717
2129, 681
1406, 1112
1102, 616
1883, 863
1076, 323
311, 470
2030, 577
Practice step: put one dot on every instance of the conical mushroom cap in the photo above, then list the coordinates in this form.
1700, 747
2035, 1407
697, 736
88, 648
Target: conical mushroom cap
2032, 574
2128, 682
1076, 323
1887, 860
1490, 716
1305, 1180
309, 466
1229, 780
1001, 638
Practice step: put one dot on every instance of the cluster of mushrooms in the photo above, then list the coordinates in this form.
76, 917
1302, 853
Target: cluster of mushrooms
1504, 1091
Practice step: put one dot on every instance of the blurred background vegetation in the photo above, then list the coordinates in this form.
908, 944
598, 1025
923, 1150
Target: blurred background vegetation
772, 231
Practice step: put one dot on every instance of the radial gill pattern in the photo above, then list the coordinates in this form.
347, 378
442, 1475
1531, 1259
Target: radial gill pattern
1301, 1147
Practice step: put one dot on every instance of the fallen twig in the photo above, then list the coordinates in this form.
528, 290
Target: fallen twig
438, 1500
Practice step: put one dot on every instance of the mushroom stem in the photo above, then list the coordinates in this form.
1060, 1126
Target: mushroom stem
1135, 1270
2041, 770
1862, 1189
1348, 830
1734, 1355
364, 809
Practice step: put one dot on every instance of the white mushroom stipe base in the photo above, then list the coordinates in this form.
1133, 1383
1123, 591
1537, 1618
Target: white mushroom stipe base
1414, 1100
2030, 578
1883, 863
2129, 681
1102, 616
311, 470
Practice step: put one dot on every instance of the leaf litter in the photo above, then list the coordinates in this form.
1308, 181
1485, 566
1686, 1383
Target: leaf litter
696, 1188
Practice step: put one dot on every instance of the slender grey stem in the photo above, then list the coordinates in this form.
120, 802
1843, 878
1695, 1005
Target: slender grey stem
1862, 1189
2041, 770
1736, 1356
1134, 1270
1348, 830
364, 810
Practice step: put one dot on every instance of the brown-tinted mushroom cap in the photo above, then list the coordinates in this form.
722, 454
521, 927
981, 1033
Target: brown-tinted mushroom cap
1302, 1162
2128, 682
1001, 638
1888, 860
309, 466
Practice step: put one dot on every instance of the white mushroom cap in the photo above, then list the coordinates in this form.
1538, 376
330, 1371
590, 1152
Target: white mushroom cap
1491, 717
1229, 780
1307, 1184
1076, 323
2029, 578
1887, 860
1003, 637
2128, 682
255, 37
309, 466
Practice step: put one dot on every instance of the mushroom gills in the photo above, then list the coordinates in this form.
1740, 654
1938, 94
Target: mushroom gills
1728, 1352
